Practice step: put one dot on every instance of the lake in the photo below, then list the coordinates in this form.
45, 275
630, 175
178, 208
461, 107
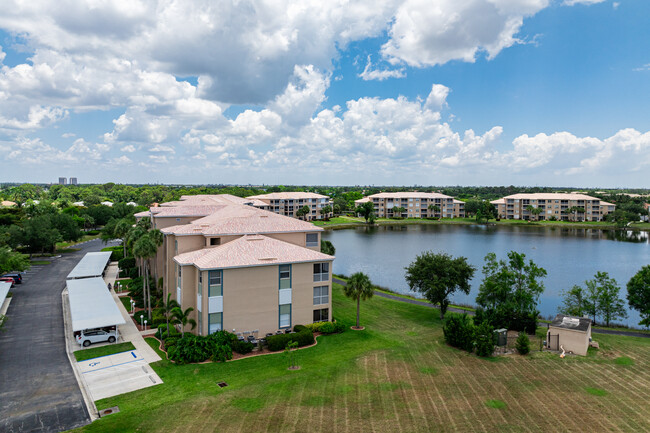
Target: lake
569, 255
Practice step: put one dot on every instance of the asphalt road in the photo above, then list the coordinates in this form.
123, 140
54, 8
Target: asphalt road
38, 389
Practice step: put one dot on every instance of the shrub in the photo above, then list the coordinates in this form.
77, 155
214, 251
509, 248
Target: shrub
484, 336
93, 233
161, 333
242, 347
170, 342
339, 327
314, 327
221, 353
126, 263
522, 344
189, 349
299, 328
278, 342
327, 328
459, 332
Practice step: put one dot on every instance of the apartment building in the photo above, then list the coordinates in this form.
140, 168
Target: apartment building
562, 206
288, 203
416, 205
241, 269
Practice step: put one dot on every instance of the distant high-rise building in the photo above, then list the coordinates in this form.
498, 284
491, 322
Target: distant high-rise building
73, 181
63, 181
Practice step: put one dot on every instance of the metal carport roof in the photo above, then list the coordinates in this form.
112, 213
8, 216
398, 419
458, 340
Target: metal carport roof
4, 290
92, 305
91, 265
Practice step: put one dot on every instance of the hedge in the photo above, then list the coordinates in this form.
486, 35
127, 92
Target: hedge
302, 335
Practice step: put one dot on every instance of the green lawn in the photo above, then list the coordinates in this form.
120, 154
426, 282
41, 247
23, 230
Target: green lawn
96, 352
39, 262
396, 375
126, 301
84, 238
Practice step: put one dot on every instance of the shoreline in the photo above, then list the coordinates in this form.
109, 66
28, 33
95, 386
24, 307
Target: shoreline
356, 222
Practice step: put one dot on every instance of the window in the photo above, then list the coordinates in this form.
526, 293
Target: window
200, 283
321, 315
215, 322
215, 288
175, 247
285, 316
321, 272
321, 295
285, 277
200, 322
178, 282
215, 241
312, 239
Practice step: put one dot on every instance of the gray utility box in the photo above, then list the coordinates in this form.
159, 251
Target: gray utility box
502, 336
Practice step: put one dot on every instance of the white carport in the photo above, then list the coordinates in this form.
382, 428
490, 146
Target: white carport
4, 291
91, 265
92, 305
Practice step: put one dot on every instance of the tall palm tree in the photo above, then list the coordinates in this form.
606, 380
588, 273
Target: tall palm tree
157, 238
434, 208
121, 230
144, 248
167, 309
359, 288
183, 318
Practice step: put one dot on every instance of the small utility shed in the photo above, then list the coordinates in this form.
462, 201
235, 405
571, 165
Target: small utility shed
91, 265
92, 305
572, 333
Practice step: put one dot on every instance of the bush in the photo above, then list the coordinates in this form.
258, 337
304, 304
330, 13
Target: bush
242, 347
189, 349
170, 342
522, 344
484, 336
327, 328
93, 233
278, 342
221, 353
459, 332
161, 333
314, 327
339, 327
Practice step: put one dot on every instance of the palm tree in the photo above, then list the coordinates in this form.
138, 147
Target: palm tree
359, 288
157, 237
144, 248
183, 318
434, 208
121, 231
167, 309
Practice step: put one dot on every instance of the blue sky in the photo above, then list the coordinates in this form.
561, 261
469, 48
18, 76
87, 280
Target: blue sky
493, 92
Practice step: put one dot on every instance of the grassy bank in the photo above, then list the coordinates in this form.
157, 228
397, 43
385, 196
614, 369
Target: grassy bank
396, 375
84, 238
346, 222
96, 352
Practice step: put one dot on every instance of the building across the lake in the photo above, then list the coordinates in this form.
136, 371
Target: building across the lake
415, 205
289, 203
241, 268
559, 206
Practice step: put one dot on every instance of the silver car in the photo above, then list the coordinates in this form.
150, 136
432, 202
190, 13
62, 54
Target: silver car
89, 336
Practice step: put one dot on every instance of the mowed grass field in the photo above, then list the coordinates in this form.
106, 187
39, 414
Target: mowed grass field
397, 375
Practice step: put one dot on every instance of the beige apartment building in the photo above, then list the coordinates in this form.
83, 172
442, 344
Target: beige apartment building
562, 206
416, 205
242, 269
288, 203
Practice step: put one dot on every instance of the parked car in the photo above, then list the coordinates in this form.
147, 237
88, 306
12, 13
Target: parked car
7, 280
18, 278
89, 336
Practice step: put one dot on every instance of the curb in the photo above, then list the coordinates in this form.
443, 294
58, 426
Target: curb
90, 404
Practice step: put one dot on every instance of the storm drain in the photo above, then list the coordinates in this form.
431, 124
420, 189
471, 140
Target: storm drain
110, 410
222, 384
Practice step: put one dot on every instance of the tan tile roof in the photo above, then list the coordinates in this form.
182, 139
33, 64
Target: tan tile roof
287, 196
250, 250
409, 194
238, 220
186, 211
552, 196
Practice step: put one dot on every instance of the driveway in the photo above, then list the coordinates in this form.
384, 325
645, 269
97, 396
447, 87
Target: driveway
38, 390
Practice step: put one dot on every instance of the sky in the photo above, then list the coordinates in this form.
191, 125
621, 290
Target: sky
381, 92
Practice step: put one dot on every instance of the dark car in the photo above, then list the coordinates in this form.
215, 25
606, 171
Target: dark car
17, 277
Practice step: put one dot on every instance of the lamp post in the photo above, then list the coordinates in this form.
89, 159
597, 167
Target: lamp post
145, 325
132, 306
141, 318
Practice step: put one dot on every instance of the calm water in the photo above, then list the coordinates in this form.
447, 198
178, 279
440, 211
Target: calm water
570, 256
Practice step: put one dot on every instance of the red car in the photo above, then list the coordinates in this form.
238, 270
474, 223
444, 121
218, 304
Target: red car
7, 280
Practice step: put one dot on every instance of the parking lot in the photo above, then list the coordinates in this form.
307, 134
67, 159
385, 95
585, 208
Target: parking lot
39, 390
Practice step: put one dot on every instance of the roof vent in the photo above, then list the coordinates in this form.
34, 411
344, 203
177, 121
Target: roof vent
267, 259
570, 321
